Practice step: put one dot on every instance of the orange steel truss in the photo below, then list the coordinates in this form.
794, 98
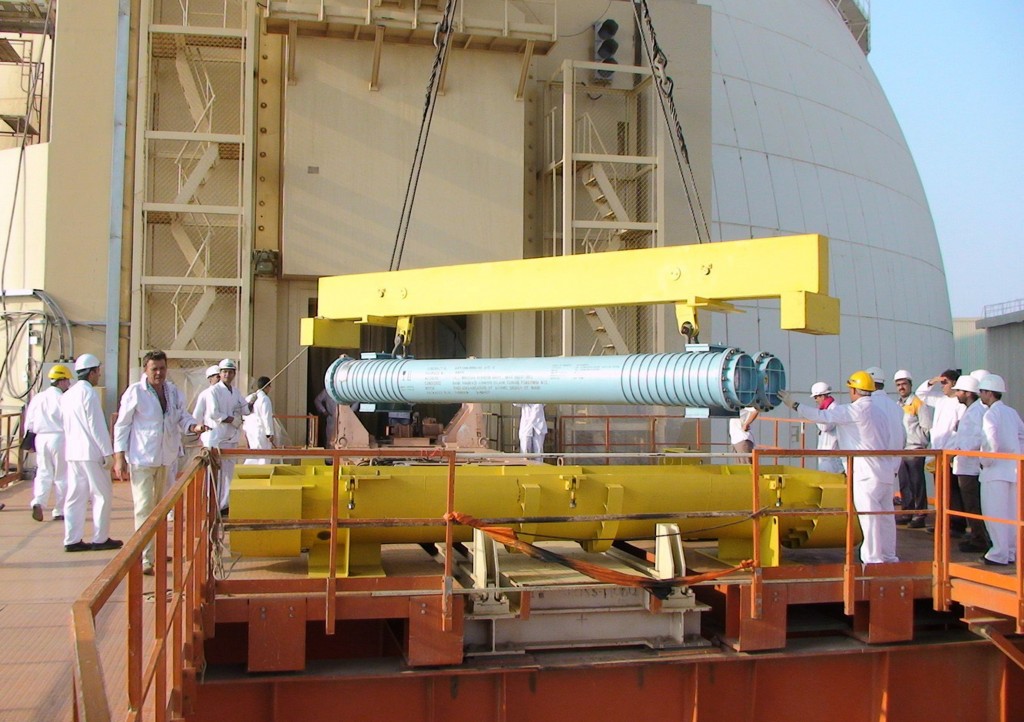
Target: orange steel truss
418, 670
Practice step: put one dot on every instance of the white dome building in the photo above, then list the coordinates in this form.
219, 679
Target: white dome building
804, 140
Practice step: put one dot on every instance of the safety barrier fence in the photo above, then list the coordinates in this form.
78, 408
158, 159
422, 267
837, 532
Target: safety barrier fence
160, 672
10, 447
163, 649
312, 428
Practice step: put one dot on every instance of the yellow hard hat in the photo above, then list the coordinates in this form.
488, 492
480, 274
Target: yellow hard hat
59, 372
861, 380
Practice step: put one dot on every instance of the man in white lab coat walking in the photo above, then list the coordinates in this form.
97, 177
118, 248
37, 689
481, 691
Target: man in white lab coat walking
533, 427
223, 416
44, 420
150, 421
89, 457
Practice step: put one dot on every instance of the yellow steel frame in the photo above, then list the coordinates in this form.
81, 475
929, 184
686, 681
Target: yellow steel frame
793, 269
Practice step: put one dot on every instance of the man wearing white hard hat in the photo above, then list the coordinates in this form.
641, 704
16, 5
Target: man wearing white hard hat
916, 423
224, 419
968, 437
204, 400
938, 393
828, 439
89, 458
1003, 433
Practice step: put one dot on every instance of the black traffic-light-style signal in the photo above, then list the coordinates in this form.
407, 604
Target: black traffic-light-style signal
605, 48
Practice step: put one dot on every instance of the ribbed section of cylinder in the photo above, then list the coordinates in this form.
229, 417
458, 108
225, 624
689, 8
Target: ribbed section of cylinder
714, 378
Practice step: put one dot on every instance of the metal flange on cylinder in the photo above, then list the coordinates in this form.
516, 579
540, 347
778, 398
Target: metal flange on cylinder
708, 379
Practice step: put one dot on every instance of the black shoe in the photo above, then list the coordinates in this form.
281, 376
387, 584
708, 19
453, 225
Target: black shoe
991, 563
916, 523
969, 545
224, 512
37, 512
78, 546
958, 533
108, 544
903, 520
59, 517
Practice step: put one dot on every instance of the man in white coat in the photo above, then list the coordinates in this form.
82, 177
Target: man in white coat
89, 457
863, 425
828, 440
938, 393
1003, 433
44, 420
223, 411
533, 427
966, 469
150, 421
259, 425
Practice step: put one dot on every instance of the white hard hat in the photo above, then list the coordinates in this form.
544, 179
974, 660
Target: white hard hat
902, 374
86, 361
877, 375
966, 383
979, 374
213, 371
820, 388
993, 382
227, 364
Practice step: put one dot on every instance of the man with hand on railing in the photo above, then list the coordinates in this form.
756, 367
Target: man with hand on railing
1003, 433
863, 425
150, 421
968, 437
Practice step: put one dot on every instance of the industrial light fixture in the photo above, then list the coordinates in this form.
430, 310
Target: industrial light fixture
265, 263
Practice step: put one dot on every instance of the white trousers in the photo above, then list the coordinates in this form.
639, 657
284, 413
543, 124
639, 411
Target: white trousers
999, 500
532, 442
258, 440
879, 531
51, 472
227, 471
148, 485
87, 480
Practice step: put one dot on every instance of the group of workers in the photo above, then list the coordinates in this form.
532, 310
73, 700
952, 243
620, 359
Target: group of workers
952, 411
75, 454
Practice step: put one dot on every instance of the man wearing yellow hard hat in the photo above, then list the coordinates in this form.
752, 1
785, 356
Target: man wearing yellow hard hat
43, 419
863, 426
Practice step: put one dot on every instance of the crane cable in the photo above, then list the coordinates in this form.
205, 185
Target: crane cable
442, 36
658, 62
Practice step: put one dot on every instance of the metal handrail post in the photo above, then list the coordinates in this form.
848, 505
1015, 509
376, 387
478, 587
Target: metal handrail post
757, 573
849, 596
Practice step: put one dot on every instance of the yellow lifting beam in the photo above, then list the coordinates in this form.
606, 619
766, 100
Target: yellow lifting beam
793, 269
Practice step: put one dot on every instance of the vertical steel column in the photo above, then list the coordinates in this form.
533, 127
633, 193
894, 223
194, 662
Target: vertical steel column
568, 186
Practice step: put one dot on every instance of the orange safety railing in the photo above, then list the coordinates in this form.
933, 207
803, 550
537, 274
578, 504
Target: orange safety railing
163, 663
312, 428
10, 447
162, 648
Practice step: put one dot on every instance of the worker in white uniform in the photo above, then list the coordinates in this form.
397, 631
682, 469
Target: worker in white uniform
259, 425
828, 440
147, 436
862, 426
966, 469
89, 458
204, 400
44, 420
1003, 433
740, 435
533, 427
938, 393
893, 411
223, 415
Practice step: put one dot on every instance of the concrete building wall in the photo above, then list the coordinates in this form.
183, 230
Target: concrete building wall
970, 343
1004, 338
348, 152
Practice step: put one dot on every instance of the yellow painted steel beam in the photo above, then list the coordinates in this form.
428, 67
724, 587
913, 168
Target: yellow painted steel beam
793, 269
